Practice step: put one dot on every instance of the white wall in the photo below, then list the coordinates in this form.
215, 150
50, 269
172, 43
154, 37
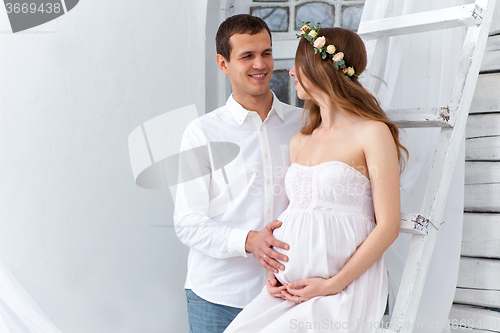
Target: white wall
74, 228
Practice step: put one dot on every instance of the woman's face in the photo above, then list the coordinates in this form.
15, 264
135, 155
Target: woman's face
301, 93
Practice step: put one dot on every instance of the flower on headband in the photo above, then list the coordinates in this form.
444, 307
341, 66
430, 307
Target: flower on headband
338, 57
310, 33
330, 49
320, 42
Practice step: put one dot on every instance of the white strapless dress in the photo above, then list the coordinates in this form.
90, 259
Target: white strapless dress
329, 216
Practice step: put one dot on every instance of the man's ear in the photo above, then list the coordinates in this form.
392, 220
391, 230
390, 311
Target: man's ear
221, 61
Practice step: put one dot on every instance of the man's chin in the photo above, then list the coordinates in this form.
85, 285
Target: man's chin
259, 91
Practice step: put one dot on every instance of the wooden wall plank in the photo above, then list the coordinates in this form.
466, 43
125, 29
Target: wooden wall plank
477, 273
481, 173
483, 136
483, 149
491, 55
474, 317
495, 22
486, 298
482, 125
481, 235
486, 96
493, 43
482, 187
490, 61
482, 198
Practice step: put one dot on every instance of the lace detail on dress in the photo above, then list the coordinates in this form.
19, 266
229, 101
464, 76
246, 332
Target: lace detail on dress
339, 187
300, 196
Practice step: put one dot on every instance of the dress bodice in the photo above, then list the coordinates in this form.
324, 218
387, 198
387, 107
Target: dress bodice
329, 185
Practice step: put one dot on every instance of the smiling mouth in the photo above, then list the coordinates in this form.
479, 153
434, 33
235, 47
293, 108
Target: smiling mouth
258, 75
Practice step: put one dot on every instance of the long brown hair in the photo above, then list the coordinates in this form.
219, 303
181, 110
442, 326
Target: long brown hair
349, 94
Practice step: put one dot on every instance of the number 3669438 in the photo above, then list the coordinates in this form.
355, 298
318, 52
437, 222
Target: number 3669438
32, 8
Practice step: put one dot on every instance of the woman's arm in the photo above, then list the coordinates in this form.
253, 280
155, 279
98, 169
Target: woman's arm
383, 166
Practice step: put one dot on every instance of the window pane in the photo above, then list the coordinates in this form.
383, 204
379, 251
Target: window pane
351, 16
314, 12
280, 85
275, 17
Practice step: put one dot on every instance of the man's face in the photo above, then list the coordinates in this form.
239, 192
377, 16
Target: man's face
251, 64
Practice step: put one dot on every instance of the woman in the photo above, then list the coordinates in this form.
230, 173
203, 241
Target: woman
343, 187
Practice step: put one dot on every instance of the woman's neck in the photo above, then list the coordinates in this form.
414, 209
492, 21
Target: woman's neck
332, 115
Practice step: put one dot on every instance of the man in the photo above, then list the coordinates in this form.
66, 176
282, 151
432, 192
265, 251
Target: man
230, 210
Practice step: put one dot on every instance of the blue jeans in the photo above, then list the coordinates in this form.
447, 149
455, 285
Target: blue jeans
207, 317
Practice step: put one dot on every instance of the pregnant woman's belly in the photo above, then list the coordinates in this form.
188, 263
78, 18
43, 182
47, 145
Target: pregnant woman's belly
320, 243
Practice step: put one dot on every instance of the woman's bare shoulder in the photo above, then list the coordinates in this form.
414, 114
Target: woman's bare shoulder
295, 144
296, 139
374, 130
377, 140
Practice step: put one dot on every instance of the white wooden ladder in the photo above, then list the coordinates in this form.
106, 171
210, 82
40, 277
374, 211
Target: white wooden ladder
450, 118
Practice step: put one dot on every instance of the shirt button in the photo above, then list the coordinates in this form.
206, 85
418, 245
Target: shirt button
261, 129
268, 182
268, 211
266, 155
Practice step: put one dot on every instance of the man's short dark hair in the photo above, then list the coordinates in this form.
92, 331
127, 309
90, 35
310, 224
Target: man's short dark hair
237, 24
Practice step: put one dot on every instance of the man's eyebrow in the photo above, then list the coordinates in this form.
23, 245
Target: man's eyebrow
245, 53
242, 54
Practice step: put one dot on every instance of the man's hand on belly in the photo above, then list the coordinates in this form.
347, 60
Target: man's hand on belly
261, 244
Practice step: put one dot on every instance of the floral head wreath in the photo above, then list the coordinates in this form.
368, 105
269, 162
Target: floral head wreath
311, 34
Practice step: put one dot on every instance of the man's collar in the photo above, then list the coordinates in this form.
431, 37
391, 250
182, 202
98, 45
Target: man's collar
278, 107
240, 114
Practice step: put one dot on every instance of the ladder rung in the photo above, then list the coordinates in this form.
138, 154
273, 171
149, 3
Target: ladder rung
421, 117
420, 22
414, 224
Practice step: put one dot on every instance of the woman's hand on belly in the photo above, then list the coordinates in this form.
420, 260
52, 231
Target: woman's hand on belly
303, 290
274, 287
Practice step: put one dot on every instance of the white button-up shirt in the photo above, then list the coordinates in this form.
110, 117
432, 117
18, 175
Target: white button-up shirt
236, 188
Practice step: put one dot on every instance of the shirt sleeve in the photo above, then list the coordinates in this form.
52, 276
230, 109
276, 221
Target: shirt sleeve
192, 223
